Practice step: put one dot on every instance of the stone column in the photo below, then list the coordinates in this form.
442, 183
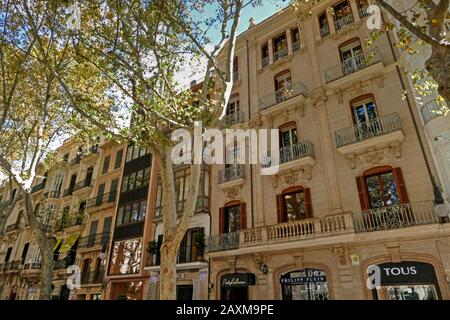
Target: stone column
355, 11
330, 20
270, 46
328, 150
289, 41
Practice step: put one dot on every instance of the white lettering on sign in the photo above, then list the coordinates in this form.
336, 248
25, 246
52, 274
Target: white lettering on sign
233, 281
396, 271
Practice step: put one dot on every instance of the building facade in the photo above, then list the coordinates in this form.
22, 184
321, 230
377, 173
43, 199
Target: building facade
352, 190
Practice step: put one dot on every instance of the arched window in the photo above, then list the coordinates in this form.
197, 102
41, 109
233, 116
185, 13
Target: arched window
352, 56
294, 204
232, 217
304, 284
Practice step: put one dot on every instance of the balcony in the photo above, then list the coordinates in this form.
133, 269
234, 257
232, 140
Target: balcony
363, 12
72, 221
343, 21
99, 239
324, 31
282, 233
86, 183
68, 192
12, 227
232, 172
75, 160
38, 187
95, 277
101, 200
283, 94
63, 263
277, 55
232, 119
395, 217
55, 194
432, 110
352, 65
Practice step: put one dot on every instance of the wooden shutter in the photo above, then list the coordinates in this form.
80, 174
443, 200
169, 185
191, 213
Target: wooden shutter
308, 203
363, 198
243, 216
280, 209
221, 220
401, 189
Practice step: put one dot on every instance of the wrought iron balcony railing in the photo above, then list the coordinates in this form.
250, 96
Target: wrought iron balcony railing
230, 173
369, 129
299, 150
83, 184
343, 21
93, 277
395, 217
352, 65
283, 94
232, 119
38, 187
99, 239
277, 55
102, 199
222, 242
432, 110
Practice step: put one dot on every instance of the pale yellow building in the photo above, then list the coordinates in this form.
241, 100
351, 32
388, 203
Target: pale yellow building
352, 188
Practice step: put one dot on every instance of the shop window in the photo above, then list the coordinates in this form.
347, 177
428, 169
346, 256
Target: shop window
294, 204
406, 280
305, 284
232, 218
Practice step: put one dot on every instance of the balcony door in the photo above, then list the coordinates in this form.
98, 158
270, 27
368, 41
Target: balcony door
365, 118
382, 190
89, 174
352, 57
283, 83
294, 204
288, 141
233, 111
232, 218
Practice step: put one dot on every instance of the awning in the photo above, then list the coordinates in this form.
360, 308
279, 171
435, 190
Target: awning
69, 242
58, 241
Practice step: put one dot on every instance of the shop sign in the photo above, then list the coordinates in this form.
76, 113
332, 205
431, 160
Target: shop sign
238, 280
406, 272
299, 280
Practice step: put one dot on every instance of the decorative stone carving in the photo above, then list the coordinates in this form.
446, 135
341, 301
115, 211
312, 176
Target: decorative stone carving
232, 192
342, 255
339, 95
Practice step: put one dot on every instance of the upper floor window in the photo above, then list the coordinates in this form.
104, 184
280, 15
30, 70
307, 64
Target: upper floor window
323, 25
118, 160
233, 111
364, 110
106, 164
265, 54
295, 39
381, 187
136, 180
352, 57
280, 47
131, 212
362, 8
342, 14
134, 152
235, 69
294, 204
283, 86
232, 218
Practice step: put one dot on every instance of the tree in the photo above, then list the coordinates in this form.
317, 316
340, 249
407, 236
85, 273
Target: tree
141, 47
35, 113
425, 19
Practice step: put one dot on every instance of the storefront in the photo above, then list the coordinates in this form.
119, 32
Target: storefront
305, 284
407, 280
235, 286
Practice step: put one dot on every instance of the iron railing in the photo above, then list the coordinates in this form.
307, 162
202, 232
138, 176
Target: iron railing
352, 65
38, 187
363, 12
295, 46
83, 184
99, 200
369, 129
90, 241
343, 21
232, 119
395, 217
432, 110
283, 94
222, 242
230, 173
93, 277
280, 54
299, 150
265, 61
55, 194
324, 31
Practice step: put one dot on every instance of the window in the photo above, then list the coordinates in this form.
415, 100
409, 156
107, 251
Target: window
288, 136
118, 160
365, 117
323, 24
232, 218
106, 164
362, 8
131, 212
294, 204
352, 56
126, 257
342, 14
100, 192
66, 157
134, 152
283, 84
265, 55
125, 183
295, 39
294, 286
8, 254
280, 48
233, 111
235, 69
